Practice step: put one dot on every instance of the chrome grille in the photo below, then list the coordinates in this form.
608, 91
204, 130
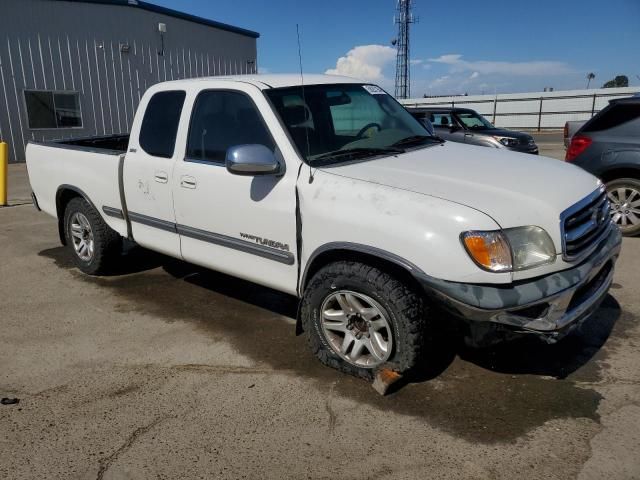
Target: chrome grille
584, 224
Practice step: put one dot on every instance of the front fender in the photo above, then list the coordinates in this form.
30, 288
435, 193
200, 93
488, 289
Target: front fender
421, 230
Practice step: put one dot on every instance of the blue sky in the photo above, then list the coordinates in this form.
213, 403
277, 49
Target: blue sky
457, 47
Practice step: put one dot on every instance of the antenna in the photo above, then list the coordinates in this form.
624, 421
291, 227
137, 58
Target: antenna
304, 98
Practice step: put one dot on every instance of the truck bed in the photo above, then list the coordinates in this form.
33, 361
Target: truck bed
104, 144
85, 165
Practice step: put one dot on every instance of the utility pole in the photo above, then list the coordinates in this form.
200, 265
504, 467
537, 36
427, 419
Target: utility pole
403, 19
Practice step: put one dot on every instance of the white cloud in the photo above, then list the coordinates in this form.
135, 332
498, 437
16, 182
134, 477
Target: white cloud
533, 68
439, 81
416, 61
262, 70
451, 58
474, 75
365, 62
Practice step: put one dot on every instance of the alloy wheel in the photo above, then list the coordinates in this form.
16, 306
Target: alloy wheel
82, 236
357, 328
625, 206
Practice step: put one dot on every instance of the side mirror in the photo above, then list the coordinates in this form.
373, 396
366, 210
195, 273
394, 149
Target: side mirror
252, 160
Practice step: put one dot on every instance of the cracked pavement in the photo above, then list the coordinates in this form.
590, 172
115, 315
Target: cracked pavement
171, 371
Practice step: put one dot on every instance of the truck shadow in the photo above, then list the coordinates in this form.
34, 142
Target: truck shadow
559, 360
476, 394
529, 355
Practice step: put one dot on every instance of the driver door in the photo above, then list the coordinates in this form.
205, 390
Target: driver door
241, 225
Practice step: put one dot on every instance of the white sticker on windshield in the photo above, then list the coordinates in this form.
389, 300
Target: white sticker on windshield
374, 90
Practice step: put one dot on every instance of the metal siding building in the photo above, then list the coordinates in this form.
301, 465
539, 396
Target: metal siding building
100, 56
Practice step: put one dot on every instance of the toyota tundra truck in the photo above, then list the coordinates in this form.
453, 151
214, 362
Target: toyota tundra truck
326, 188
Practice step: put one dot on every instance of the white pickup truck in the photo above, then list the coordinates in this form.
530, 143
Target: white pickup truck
333, 192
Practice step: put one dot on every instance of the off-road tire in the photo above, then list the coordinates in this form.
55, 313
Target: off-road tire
107, 242
406, 308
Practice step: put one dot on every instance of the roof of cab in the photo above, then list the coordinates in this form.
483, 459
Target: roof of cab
264, 82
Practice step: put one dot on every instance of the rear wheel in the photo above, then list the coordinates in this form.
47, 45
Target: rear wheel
358, 317
624, 195
93, 244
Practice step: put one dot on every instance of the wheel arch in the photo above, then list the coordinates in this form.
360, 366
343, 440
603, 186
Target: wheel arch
621, 172
64, 195
346, 251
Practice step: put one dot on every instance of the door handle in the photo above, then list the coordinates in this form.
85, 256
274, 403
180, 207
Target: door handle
187, 181
161, 177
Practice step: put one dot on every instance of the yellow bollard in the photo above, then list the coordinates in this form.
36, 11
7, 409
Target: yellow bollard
4, 167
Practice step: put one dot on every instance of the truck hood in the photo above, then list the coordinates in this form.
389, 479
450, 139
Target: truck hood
514, 189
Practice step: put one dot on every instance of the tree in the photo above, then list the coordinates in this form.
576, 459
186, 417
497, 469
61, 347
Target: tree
619, 81
590, 76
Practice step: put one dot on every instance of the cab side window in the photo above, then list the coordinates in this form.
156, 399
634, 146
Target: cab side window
224, 119
160, 123
441, 120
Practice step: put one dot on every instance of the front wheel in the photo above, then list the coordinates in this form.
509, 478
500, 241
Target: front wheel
93, 244
624, 195
358, 317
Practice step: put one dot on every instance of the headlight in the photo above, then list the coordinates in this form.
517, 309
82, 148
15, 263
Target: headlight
510, 249
507, 141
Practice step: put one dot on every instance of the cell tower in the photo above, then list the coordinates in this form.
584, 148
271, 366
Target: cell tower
403, 19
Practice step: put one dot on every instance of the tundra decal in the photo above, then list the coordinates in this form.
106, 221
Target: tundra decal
265, 241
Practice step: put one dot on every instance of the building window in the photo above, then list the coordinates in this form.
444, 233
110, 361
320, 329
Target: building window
47, 109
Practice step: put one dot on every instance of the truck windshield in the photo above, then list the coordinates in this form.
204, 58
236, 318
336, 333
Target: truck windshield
474, 121
341, 121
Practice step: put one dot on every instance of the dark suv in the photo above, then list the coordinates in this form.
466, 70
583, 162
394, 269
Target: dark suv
608, 146
468, 126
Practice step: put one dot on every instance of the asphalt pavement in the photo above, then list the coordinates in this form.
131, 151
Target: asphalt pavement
166, 370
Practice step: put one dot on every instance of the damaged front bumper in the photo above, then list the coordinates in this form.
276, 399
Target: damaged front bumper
549, 306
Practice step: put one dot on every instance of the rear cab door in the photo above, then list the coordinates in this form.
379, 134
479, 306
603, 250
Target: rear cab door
148, 170
241, 225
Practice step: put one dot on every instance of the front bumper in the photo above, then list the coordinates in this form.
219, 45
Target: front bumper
550, 306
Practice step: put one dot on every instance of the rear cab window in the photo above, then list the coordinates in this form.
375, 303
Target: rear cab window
441, 119
160, 123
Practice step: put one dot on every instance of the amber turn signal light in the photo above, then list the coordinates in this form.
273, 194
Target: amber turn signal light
489, 250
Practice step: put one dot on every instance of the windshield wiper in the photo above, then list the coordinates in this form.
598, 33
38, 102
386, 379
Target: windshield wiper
357, 152
417, 139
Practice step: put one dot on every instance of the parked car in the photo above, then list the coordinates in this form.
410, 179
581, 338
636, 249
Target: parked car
464, 125
570, 129
336, 194
608, 146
